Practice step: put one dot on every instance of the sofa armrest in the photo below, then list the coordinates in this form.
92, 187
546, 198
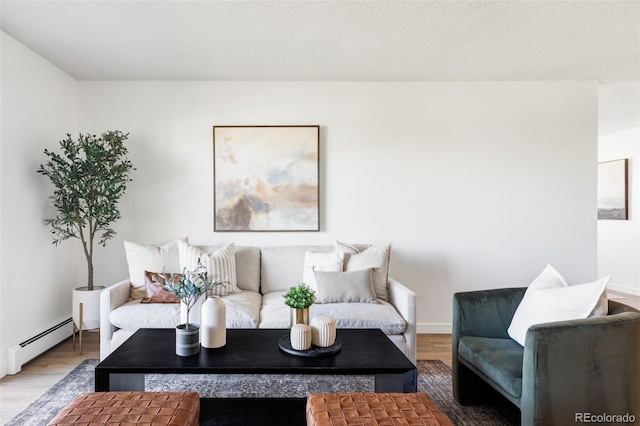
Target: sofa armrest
111, 298
404, 300
589, 365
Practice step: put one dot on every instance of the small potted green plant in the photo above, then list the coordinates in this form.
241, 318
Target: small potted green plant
188, 287
299, 298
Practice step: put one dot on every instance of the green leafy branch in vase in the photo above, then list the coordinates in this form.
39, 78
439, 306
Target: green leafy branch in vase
188, 286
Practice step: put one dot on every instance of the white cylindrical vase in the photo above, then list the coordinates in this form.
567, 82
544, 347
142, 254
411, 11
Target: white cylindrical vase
214, 323
323, 330
300, 337
194, 313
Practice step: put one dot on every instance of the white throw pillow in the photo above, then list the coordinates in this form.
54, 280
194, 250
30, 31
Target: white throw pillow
325, 262
150, 257
376, 257
550, 298
220, 265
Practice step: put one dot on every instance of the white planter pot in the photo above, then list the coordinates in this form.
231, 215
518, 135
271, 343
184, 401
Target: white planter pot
90, 307
213, 326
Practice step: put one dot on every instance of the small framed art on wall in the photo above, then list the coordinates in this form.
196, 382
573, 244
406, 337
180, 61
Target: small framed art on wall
613, 197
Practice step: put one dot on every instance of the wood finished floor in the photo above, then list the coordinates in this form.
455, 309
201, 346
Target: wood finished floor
38, 375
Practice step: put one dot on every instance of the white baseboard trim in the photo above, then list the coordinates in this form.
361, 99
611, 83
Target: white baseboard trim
623, 289
433, 328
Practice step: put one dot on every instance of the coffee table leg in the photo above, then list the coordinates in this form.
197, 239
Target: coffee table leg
119, 382
406, 383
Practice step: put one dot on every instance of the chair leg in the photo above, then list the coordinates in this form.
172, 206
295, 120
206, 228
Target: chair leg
469, 389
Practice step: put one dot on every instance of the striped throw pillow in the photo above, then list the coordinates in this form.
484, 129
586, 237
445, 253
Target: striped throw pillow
220, 265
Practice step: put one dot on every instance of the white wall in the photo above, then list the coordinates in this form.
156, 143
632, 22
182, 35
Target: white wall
619, 240
39, 106
478, 185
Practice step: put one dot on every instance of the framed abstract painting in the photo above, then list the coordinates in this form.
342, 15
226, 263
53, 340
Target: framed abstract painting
266, 178
613, 197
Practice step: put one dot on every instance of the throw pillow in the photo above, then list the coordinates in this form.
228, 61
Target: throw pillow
220, 265
550, 298
327, 262
376, 257
154, 282
345, 287
602, 307
149, 257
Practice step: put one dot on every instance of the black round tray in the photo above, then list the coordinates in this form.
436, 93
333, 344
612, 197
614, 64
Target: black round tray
285, 345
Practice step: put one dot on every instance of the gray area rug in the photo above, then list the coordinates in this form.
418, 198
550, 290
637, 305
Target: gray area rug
434, 378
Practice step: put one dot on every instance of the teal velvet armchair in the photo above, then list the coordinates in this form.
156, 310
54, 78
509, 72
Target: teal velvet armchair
567, 371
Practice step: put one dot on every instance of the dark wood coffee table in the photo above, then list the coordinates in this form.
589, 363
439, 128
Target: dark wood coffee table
256, 351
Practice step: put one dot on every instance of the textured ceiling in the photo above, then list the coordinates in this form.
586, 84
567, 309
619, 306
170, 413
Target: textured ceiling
343, 41
331, 40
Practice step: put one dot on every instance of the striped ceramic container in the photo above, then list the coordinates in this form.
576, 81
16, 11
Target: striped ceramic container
323, 331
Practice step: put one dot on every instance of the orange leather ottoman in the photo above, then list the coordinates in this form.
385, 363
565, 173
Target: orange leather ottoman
132, 408
373, 409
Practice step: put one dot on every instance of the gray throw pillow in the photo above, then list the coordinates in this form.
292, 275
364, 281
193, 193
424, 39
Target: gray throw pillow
345, 287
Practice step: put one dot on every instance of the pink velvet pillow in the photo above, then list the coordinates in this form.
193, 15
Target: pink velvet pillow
153, 282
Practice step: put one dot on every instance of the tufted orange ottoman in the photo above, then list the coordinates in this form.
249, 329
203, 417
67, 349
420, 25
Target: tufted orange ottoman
373, 409
132, 408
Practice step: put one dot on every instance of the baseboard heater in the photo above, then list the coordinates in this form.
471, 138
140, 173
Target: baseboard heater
23, 352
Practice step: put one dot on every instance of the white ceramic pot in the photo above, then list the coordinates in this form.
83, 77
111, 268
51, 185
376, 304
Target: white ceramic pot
300, 337
213, 325
90, 307
323, 330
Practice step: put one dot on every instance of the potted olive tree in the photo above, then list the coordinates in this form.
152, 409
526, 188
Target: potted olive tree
89, 177
188, 287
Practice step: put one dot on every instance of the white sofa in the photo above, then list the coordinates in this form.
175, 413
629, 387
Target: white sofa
264, 274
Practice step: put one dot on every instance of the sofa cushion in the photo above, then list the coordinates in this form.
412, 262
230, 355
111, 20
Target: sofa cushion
498, 359
314, 262
243, 311
154, 287
283, 266
219, 264
345, 287
382, 315
376, 257
247, 266
550, 298
134, 315
149, 257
